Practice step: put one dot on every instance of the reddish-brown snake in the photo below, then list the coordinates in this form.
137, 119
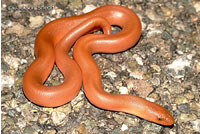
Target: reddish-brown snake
54, 42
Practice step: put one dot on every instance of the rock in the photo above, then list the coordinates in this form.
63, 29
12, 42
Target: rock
153, 15
167, 11
184, 107
123, 90
181, 100
137, 75
88, 8
78, 99
151, 127
177, 67
196, 5
75, 4
18, 29
50, 132
189, 95
78, 106
154, 30
43, 118
198, 67
11, 112
140, 86
63, 2
132, 121
156, 67
118, 118
155, 81
196, 125
10, 121
187, 117
21, 123
17, 14
114, 2
138, 59
7, 80
166, 35
124, 127
28, 130
58, 117
36, 21
13, 62
111, 74
82, 129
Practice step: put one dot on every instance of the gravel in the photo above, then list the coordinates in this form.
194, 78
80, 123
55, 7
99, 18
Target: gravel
166, 61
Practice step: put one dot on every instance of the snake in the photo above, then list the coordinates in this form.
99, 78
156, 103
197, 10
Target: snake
56, 39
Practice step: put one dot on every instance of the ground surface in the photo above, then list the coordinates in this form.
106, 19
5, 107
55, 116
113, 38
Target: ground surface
165, 62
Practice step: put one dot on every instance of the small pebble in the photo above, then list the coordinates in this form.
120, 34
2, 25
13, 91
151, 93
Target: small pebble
18, 29
179, 64
140, 86
181, 100
197, 6
78, 106
28, 130
124, 127
138, 59
154, 30
155, 81
118, 118
156, 67
153, 15
43, 118
36, 21
7, 80
198, 67
187, 117
75, 4
111, 74
58, 117
123, 90
88, 8
177, 67
50, 132
137, 75
21, 123
184, 107
196, 125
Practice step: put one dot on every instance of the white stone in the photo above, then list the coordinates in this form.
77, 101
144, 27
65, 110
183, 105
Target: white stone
12, 61
53, 11
111, 74
124, 127
138, 59
123, 90
36, 21
197, 6
88, 8
150, 99
123, 67
58, 117
7, 81
136, 75
196, 125
153, 30
23, 61
17, 28
179, 64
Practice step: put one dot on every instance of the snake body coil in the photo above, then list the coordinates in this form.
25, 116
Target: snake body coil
56, 39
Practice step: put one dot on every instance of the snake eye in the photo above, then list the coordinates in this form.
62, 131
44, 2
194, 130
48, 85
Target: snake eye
160, 119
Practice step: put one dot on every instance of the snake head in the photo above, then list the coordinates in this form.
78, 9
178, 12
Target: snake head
158, 114
149, 111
